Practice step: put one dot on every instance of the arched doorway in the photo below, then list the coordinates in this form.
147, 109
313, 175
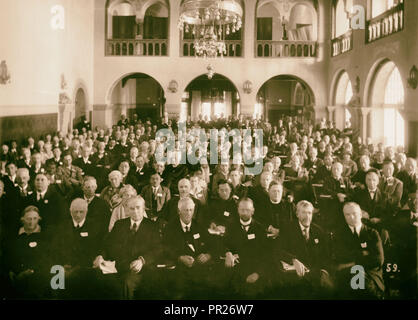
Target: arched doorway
285, 95
80, 106
140, 94
210, 99
386, 97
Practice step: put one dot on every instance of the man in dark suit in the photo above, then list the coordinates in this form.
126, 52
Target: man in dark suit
9, 179
248, 256
335, 192
57, 157
85, 163
69, 172
358, 245
404, 239
52, 207
98, 209
139, 239
76, 244
305, 246
156, 196
188, 248
260, 197
139, 175
324, 171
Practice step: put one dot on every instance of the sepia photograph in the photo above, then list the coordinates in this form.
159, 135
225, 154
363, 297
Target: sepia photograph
206, 156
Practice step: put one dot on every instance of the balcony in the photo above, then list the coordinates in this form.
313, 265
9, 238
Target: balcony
133, 47
233, 48
384, 25
285, 49
342, 44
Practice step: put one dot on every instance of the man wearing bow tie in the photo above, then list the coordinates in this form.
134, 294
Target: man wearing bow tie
247, 257
305, 246
140, 241
358, 244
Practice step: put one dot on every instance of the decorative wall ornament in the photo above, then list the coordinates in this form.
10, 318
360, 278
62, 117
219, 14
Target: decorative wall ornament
4, 73
211, 71
63, 97
173, 86
413, 77
357, 85
248, 87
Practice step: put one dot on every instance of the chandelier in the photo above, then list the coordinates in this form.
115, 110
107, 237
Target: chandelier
209, 22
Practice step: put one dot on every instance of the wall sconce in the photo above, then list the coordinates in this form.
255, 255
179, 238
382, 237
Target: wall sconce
173, 86
4, 73
248, 87
413, 77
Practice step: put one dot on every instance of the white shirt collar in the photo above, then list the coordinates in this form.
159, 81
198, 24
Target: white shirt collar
22, 230
89, 199
357, 228
138, 223
246, 223
302, 227
79, 224
41, 193
183, 225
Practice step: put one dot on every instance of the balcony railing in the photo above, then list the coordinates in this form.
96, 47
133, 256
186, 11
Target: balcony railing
385, 24
133, 47
285, 49
233, 48
342, 44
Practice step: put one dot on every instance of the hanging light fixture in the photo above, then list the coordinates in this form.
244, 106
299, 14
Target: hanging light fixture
210, 21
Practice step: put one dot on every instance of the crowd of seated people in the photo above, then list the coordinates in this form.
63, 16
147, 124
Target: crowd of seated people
127, 218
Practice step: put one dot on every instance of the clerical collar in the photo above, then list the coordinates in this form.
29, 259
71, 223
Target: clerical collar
245, 223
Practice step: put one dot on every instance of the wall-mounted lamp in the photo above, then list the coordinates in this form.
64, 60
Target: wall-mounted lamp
248, 87
4, 73
413, 77
173, 86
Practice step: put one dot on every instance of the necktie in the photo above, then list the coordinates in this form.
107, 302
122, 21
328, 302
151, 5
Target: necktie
187, 228
245, 228
134, 227
306, 234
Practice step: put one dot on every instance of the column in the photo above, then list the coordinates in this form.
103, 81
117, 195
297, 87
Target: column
363, 113
320, 112
331, 113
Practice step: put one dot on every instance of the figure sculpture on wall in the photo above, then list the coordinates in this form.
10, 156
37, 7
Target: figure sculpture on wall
63, 97
4, 73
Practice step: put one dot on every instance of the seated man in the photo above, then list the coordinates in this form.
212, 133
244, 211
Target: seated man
76, 244
247, 252
358, 245
139, 239
72, 174
304, 245
404, 239
156, 196
391, 187
187, 246
409, 177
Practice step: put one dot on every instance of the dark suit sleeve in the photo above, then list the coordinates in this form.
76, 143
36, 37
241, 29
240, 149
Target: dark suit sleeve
375, 257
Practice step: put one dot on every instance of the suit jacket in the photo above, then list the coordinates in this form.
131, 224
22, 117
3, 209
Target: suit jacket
87, 168
78, 247
410, 184
178, 243
261, 201
251, 246
314, 253
145, 242
52, 209
365, 250
72, 175
393, 192
221, 212
155, 203
377, 207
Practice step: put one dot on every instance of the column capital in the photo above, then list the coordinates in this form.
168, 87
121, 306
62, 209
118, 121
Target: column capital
364, 111
331, 108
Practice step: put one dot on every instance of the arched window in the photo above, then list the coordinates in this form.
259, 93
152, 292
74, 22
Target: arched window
380, 6
341, 21
393, 120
